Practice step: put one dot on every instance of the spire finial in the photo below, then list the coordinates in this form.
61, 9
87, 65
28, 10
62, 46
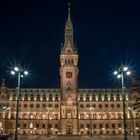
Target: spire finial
69, 4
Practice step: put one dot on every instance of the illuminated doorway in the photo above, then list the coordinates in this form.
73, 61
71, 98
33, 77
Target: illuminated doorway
69, 128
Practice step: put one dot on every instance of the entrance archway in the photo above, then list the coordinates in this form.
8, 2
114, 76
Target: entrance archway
69, 128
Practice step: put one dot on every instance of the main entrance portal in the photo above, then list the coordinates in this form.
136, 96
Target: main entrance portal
69, 128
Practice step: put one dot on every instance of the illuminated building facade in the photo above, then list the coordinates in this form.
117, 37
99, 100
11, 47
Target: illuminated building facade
68, 110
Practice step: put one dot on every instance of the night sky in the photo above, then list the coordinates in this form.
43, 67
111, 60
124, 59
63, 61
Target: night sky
106, 33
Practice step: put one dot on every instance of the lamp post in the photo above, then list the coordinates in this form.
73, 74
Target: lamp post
20, 72
120, 74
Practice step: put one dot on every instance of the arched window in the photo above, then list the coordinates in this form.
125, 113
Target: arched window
44, 97
99, 97
50, 97
56, 97
43, 125
93, 97
101, 126
106, 98
32, 97
26, 97
81, 97
118, 97
113, 125
14, 96
38, 97
112, 97
56, 125
87, 97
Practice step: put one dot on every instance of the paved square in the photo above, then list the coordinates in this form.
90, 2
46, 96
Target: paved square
38, 137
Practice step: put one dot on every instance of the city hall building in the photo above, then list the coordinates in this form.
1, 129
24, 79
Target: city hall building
69, 109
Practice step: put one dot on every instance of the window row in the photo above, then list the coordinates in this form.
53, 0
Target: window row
94, 126
100, 97
37, 105
49, 116
36, 97
108, 115
118, 105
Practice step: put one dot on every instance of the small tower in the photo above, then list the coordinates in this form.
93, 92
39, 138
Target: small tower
69, 61
3, 93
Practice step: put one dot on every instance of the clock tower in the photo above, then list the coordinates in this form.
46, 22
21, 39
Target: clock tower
69, 81
69, 61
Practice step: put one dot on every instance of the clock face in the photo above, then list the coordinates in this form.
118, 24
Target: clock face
68, 74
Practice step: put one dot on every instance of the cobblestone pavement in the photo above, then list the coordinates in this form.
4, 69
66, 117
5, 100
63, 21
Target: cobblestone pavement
38, 137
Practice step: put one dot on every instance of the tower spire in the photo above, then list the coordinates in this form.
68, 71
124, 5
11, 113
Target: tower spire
69, 10
68, 36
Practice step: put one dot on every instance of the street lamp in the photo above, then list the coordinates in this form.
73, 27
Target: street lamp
21, 73
123, 70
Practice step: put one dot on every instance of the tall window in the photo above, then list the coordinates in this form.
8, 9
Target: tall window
87, 125
93, 97
82, 126
119, 125
50, 97
44, 97
56, 97
113, 125
101, 126
38, 97
106, 98
24, 125
94, 126
32, 97
56, 125
107, 126
37, 125
100, 97
87, 97
26, 97
81, 97
43, 126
